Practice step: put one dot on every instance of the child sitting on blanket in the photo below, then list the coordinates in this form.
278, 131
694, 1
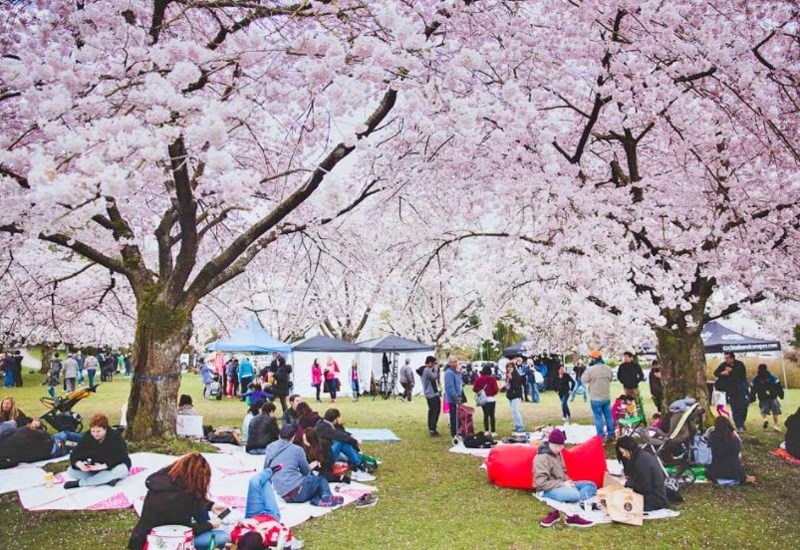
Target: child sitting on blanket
551, 481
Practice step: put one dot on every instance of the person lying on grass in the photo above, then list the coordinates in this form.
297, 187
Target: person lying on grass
551, 481
178, 495
644, 473
32, 443
100, 457
726, 449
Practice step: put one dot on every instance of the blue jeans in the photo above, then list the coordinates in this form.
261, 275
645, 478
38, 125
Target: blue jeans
203, 540
87, 479
313, 489
564, 406
90, 373
261, 496
453, 419
534, 391
518, 425
580, 491
601, 410
579, 387
340, 447
7, 428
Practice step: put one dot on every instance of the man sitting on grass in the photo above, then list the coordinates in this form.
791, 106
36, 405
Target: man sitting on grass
330, 430
551, 480
292, 478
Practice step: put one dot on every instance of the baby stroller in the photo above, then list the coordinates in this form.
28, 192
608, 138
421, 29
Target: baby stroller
465, 426
60, 414
673, 447
215, 388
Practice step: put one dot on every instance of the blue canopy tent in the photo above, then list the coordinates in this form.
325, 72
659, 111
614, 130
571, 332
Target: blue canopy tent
718, 338
518, 349
250, 339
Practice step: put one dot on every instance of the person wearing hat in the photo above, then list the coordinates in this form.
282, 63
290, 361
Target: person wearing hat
551, 481
598, 379
292, 478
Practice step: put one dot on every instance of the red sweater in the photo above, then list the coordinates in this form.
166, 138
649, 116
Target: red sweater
487, 383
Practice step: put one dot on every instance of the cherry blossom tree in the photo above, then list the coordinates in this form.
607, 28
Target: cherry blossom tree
172, 142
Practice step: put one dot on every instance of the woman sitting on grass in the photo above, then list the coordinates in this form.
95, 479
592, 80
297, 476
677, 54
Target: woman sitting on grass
100, 458
319, 451
9, 412
177, 495
186, 406
793, 434
644, 473
726, 461
306, 418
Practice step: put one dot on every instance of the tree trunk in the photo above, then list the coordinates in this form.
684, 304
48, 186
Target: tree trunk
683, 364
162, 333
47, 354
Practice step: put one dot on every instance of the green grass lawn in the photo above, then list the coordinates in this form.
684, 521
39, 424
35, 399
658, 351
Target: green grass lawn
430, 498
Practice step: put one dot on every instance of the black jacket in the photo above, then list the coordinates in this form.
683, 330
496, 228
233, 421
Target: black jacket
281, 385
766, 387
725, 461
20, 419
656, 388
330, 433
289, 417
112, 451
563, 384
793, 435
262, 431
167, 503
630, 374
734, 384
514, 390
24, 445
646, 477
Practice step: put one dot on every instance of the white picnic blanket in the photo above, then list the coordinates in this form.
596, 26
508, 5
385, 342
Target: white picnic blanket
598, 516
230, 474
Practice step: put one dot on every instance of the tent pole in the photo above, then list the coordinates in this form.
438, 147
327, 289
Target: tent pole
783, 368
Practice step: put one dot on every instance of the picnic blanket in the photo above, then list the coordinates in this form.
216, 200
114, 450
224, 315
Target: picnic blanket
598, 516
230, 474
784, 454
373, 434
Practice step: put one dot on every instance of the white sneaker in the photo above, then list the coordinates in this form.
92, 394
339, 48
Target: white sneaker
296, 544
362, 476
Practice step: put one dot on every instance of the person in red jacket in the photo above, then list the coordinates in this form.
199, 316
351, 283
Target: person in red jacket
488, 383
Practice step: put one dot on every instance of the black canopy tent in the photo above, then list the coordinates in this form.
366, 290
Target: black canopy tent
718, 338
394, 343
325, 343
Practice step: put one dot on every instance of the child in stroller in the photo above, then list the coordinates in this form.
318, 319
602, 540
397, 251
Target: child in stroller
672, 444
215, 387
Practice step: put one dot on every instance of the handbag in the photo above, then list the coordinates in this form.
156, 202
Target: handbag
718, 398
481, 399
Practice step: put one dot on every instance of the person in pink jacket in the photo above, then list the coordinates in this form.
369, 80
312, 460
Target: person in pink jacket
316, 378
331, 373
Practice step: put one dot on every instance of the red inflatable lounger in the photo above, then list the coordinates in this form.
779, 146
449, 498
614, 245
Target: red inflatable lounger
512, 465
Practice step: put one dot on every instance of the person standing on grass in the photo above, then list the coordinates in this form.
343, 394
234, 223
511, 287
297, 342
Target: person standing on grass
767, 388
580, 368
91, 369
280, 387
81, 362
355, 386
514, 394
407, 381
453, 386
207, 377
630, 374
656, 388
430, 389
551, 481
70, 373
331, 374
598, 378
732, 379
564, 384
17, 361
246, 373
316, 378
53, 375
488, 384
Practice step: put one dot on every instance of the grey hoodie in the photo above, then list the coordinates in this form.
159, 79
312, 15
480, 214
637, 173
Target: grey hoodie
549, 471
294, 465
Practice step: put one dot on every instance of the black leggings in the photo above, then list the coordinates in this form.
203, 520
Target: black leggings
488, 417
318, 387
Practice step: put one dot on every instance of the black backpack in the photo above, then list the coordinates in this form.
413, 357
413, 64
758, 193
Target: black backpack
479, 440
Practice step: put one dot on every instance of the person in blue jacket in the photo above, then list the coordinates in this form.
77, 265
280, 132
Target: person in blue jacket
453, 388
